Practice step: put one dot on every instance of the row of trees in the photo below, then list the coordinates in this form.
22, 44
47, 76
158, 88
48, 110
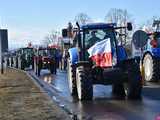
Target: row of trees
119, 16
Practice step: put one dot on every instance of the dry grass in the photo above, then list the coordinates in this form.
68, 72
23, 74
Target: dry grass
21, 99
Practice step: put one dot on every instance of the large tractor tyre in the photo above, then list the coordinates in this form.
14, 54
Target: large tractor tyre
118, 90
19, 63
16, 62
23, 64
151, 68
134, 87
72, 78
39, 66
7, 62
12, 62
35, 67
53, 68
84, 84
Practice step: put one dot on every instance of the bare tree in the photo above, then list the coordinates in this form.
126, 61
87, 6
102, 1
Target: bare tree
82, 18
148, 25
52, 38
120, 17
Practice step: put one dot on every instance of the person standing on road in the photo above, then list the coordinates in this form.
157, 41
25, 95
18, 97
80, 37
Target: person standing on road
60, 59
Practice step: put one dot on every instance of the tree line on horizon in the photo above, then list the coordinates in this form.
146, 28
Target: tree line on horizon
114, 15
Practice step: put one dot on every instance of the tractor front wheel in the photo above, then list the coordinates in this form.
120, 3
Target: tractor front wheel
151, 68
72, 78
39, 70
84, 84
35, 67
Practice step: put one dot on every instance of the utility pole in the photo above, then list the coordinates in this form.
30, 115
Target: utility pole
1, 60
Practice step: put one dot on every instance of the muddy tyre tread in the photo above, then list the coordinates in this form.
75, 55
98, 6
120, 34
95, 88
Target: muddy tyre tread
85, 81
155, 75
134, 83
72, 79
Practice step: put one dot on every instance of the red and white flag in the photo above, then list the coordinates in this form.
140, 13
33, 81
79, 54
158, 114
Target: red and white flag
101, 54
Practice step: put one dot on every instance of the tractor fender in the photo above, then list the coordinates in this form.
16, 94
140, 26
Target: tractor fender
73, 53
122, 55
156, 52
144, 54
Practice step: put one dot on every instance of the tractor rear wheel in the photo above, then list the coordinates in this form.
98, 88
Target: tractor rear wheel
72, 78
118, 90
39, 70
151, 68
53, 68
134, 87
35, 67
84, 84
22, 64
16, 62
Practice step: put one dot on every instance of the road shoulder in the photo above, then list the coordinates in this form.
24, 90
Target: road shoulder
22, 99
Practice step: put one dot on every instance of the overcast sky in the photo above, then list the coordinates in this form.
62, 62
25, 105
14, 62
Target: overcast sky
31, 20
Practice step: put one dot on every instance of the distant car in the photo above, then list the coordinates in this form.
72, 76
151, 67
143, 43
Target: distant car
45, 58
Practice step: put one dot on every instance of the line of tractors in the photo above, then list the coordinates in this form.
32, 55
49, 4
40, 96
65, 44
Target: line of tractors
35, 58
126, 73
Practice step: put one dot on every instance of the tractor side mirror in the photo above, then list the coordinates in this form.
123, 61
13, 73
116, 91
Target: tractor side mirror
140, 39
64, 33
129, 26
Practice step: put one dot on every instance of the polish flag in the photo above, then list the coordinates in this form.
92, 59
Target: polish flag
101, 54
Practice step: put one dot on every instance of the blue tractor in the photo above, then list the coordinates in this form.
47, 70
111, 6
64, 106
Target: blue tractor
148, 47
84, 70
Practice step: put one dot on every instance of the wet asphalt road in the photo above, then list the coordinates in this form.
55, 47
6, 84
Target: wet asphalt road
103, 106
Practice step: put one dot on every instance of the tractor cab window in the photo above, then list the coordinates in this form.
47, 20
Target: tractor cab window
94, 36
28, 51
43, 52
52, 52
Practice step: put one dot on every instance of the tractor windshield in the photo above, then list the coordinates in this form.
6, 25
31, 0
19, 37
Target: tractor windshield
52, 52
28, 51
47, 52
43, 52
94, 36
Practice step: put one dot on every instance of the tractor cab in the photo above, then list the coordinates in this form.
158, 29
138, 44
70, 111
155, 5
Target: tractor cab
26, 52
24, 57
89, 38
45, 58
47, 52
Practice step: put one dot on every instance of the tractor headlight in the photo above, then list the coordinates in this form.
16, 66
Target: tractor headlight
114, 60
